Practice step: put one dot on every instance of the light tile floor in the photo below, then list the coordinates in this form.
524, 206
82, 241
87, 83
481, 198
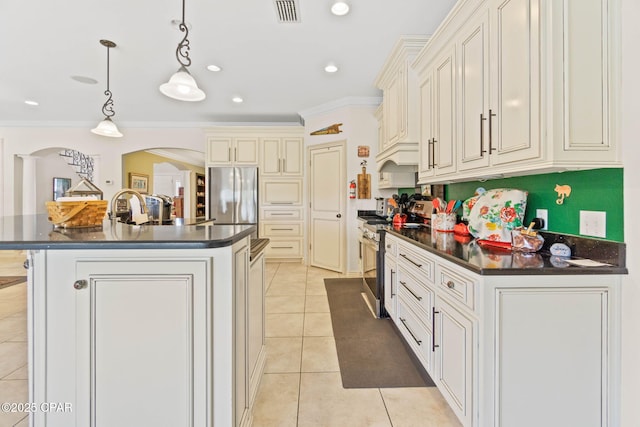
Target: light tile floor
13, 339
301, 385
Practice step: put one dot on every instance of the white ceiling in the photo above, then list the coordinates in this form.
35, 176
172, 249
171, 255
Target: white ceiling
276, 67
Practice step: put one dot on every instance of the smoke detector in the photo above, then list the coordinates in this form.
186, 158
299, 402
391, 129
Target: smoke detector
288, 10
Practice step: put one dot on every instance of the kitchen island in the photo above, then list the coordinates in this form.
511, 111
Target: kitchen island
139, 325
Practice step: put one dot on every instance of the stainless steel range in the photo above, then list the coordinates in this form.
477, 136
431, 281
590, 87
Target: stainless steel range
372, 262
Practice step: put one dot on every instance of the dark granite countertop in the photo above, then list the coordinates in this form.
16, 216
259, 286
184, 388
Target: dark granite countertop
488, 261
36, 232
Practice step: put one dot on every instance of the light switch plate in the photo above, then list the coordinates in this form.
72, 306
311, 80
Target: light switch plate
544, 215
593, 223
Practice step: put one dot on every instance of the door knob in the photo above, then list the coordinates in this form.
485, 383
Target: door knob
339, 216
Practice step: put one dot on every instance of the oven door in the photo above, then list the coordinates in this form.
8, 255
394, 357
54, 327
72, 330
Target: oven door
369, 267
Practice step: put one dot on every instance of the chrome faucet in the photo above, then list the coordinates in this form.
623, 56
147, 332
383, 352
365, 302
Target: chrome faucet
145, 210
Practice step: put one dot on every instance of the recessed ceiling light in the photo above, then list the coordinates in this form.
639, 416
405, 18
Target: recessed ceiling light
237, 99
30, 102
331, 68
340, 8
214, 68
83, 79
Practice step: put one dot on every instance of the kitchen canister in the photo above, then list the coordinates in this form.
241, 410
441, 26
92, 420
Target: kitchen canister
443, 221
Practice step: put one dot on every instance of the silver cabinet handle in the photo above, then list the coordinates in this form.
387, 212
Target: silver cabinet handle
339, 216
404, 284
281, 203
433, 152
491, 114
281, 247
433, 329
284, 165
229, 155
450, 284
26, 264
282, 229
482, 150
411, 261
404, 322
80, 284
282, 213
392, 291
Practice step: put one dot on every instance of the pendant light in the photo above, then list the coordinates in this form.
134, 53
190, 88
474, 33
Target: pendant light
107, 127
182, 86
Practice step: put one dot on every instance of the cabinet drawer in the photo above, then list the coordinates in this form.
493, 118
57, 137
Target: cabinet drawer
415, 334
281, 214
280, 229
416, 262
456, 285
419, 295
281, 192
288, 248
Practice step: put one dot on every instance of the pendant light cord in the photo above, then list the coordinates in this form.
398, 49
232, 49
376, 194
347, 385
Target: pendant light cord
182, 52
107, 108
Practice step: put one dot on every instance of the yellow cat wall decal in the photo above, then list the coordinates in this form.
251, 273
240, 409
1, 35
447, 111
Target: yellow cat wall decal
563, 191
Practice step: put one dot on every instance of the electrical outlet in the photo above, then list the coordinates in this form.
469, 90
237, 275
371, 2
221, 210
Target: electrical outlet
593, 223
543, 215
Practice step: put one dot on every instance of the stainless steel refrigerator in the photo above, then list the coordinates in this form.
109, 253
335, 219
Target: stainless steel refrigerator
233, 195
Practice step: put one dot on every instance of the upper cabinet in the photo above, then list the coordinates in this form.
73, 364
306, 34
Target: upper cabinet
534, 89
281, 156
399, 115
230, 150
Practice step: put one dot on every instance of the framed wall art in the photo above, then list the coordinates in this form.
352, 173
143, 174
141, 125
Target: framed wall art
139, 182
60, 186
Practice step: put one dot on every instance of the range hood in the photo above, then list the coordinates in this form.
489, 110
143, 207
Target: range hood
400, 157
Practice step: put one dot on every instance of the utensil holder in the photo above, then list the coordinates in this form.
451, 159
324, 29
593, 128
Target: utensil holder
443, 221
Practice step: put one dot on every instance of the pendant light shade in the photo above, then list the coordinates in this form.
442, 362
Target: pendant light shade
182, 86
106, 127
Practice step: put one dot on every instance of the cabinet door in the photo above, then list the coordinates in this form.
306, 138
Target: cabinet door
291, 156
393, 111
281, 192
137, 322
256, 326
219, 150
245, 151
514, 120
454, 359
427, 133
444, 114
241, 367
270, 157
390, 286
556, 341
473, 102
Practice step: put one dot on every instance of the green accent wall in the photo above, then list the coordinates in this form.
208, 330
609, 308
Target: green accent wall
591, 190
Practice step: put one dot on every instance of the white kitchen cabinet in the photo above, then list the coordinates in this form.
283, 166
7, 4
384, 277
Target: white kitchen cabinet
281, 156
110, 326
256, 341
438, 116
454, 358
240, 337
228, 150
537, 88
390, 286
283, 225
504, 346
283, 192
400, 129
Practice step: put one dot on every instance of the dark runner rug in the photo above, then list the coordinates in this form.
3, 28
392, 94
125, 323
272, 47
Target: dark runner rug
371, 352
6, 281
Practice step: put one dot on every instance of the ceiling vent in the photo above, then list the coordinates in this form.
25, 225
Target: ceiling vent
287, 10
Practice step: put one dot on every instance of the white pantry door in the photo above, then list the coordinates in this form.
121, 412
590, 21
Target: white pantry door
327, 195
